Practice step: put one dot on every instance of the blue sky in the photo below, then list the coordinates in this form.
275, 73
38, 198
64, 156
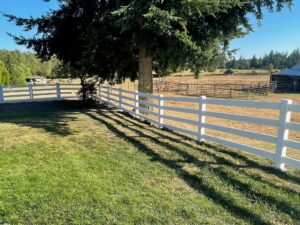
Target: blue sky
279, 31
22, 8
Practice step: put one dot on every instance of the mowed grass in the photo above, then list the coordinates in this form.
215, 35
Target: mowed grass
70, 166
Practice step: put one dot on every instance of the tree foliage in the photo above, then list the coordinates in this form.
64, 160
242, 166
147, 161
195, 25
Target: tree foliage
109, 39
4, 75
24, 64
19, 74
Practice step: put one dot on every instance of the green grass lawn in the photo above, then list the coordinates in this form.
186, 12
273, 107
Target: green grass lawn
60, 166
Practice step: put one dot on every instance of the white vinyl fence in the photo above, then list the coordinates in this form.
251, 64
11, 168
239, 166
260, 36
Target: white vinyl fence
40, 92
131, 101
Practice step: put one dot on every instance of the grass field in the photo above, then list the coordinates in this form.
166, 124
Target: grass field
69, 166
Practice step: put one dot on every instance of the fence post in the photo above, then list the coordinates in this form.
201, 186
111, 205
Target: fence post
201, 118
136, 104
1, 95
108, 96
30, 92
100, 94
58, 91
120, 99
161, 111
283, 133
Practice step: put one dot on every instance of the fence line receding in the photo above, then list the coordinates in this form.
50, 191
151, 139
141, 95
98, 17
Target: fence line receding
152, 108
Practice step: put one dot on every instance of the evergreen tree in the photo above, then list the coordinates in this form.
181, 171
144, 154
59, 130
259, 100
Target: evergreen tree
243, 63
254, 63
293, 58
112, 39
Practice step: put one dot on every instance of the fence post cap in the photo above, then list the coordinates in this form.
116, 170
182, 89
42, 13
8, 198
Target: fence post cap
289, 101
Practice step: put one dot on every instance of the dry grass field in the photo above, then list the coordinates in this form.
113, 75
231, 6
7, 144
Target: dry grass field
218, 76
186, 77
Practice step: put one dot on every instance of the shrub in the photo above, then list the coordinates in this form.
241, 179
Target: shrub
88, 94
229, 72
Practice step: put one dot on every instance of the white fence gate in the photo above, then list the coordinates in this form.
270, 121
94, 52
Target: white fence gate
155, 113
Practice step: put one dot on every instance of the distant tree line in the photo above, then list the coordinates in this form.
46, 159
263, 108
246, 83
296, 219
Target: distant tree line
16, 66
272, 60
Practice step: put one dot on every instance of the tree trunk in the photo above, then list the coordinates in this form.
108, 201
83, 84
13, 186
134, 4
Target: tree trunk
145, 72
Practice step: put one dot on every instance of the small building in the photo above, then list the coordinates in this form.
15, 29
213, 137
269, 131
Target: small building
287, 80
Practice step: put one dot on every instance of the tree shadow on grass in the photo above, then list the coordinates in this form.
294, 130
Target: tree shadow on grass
238, 184
113, 120
53, 117
216, 152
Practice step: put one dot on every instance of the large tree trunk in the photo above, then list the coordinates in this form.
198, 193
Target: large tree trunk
145, 72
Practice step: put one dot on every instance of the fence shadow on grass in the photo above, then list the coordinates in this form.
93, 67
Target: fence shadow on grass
216, 151
219, 165
52, 117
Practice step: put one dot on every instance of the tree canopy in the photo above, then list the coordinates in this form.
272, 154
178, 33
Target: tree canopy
111, 39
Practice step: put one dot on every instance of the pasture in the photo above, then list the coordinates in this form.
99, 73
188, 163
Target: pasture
64, 165
246, 76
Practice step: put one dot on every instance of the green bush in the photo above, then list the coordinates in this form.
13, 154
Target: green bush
229, 72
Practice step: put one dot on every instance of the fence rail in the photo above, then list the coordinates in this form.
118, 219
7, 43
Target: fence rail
31, 93
155, 111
